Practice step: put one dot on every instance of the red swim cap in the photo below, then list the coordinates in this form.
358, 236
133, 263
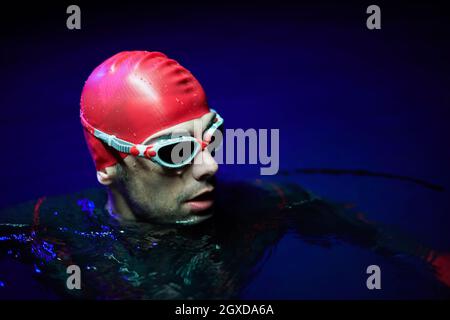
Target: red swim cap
135, 94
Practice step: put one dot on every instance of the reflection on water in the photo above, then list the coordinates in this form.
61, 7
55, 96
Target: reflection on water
218, 258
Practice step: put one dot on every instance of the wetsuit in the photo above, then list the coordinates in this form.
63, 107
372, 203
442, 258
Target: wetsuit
138, 260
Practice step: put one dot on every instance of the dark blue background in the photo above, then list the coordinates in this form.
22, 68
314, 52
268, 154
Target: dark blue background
342, 96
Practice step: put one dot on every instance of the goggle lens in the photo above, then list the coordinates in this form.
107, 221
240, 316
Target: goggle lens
178, 153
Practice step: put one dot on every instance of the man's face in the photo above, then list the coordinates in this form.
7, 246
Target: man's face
163, 195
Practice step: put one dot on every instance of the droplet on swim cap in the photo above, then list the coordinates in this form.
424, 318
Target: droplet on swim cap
135, 94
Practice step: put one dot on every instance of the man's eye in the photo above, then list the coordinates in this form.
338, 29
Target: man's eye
215, 143
176, 153
212, 149
216, 134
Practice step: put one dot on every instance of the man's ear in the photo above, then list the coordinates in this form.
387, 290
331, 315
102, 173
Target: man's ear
107, 176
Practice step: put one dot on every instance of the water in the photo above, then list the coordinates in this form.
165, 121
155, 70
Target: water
267, 240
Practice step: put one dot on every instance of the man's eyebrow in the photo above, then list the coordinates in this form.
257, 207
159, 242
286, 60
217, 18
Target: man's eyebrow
165, 136
171, 134
162, 137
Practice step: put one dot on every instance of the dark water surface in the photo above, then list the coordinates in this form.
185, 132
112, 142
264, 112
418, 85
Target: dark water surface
267, 240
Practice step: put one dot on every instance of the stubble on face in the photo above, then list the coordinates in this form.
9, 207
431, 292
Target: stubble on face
155, 194
151, 192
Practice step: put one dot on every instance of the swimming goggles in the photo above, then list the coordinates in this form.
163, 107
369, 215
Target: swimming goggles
173, 152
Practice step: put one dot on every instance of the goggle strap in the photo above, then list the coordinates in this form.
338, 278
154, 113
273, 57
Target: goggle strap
125, 146
111, 140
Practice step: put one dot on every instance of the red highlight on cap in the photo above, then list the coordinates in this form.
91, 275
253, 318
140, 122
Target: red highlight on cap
149, 153
134, 151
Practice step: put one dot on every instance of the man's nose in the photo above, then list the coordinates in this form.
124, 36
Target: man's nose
204, 165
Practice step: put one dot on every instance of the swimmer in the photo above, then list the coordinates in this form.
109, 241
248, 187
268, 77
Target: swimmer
162, 228
133, 107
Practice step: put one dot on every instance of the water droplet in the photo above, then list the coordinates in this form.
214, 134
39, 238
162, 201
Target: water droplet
36, 269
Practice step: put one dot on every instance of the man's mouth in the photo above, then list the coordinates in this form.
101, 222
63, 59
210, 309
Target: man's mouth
201, 201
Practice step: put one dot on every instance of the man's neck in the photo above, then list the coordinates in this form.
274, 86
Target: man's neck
118, 207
